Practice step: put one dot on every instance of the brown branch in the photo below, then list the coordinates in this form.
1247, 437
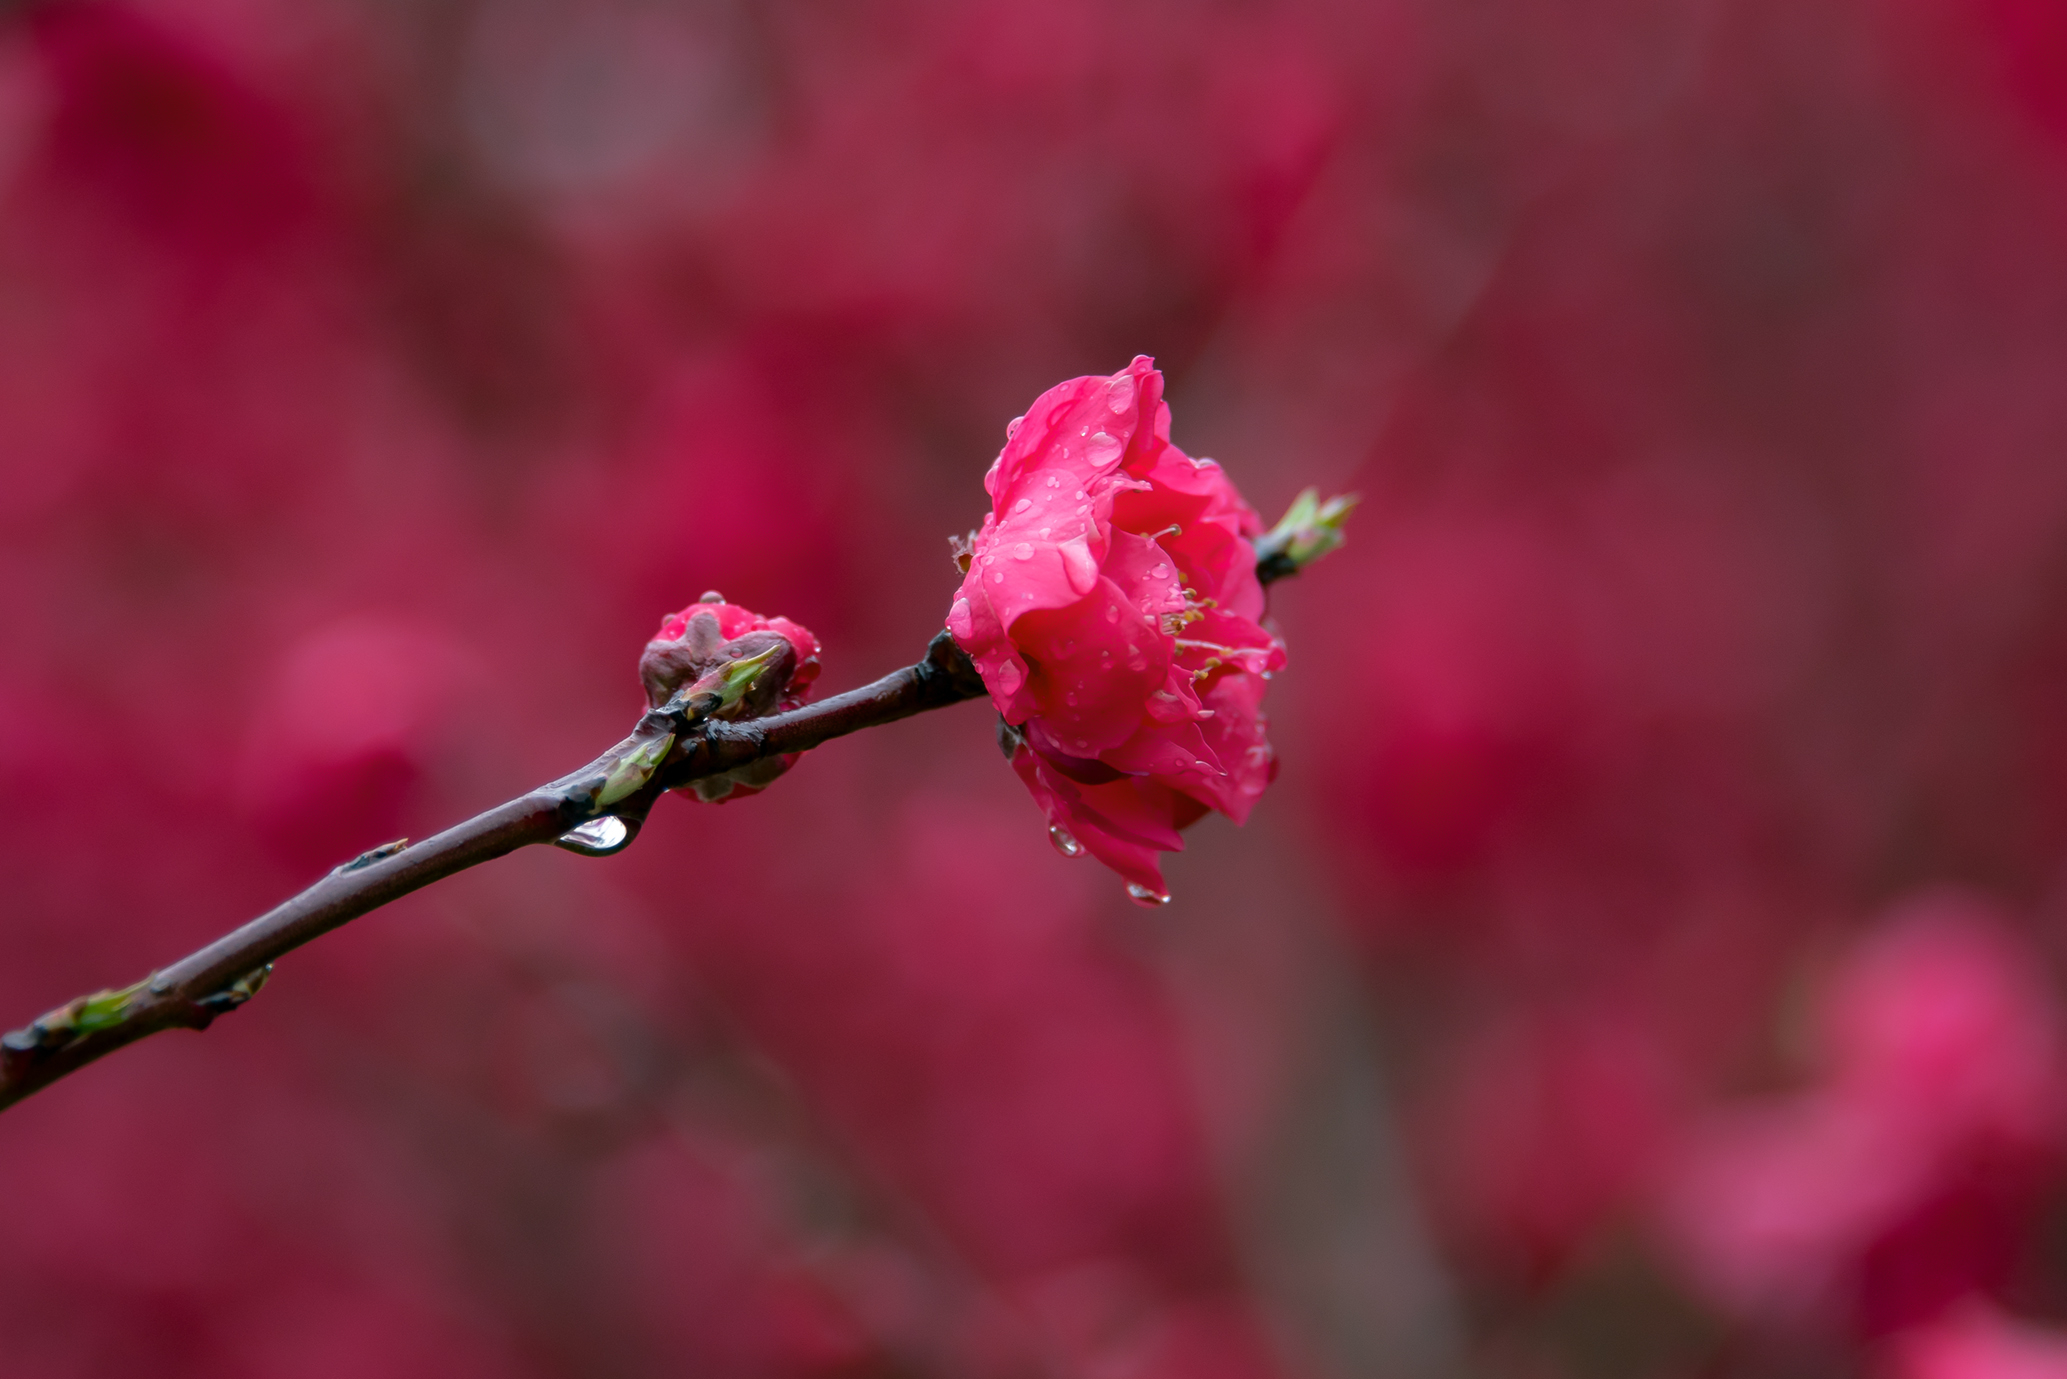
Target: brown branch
666, 750
190, 993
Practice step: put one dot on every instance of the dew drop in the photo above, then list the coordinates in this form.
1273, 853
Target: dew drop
1064, 843
961, 619
1122, 395
1023, 551
1146, 898
1044, 531
1159, 572
1079, 566
1012, 427
1054, 482
997, 576
597, 837
1022, 505
1112, 614
1080, 493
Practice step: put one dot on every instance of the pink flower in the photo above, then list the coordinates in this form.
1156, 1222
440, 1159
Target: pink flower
705, 636
1113, 609
1901, 1181
1976, 1342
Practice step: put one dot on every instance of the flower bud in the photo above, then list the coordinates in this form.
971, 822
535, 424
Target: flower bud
717, 660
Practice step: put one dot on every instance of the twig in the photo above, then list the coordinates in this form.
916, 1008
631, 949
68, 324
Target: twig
228, 972
670, 747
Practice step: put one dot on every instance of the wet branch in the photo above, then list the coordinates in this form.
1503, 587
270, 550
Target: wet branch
597, 810
190, 993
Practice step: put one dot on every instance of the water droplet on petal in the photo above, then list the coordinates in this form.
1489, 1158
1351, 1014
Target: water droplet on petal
1079, 566
1159, 572
1054, 482
1122, 395
1023, 551
597, 837
1146, 898
1112, 614
997, 576
1064, 843
1022, 505
1044, 531
1008, 676
1080, 493
1012, 427
961, 620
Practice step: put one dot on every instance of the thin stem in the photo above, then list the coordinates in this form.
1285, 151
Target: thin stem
663, 753
190, 993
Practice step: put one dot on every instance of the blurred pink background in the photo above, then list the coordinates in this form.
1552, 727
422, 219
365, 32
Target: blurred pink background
1647, 966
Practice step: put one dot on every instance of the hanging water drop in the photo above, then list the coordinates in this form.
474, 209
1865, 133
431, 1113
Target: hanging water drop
1146, 898
597, 837
1064, 843
1012, 427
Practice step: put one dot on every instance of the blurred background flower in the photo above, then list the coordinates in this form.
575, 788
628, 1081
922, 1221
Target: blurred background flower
1647, 964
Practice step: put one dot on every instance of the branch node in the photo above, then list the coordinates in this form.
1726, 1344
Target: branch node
236, 993
367, 859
